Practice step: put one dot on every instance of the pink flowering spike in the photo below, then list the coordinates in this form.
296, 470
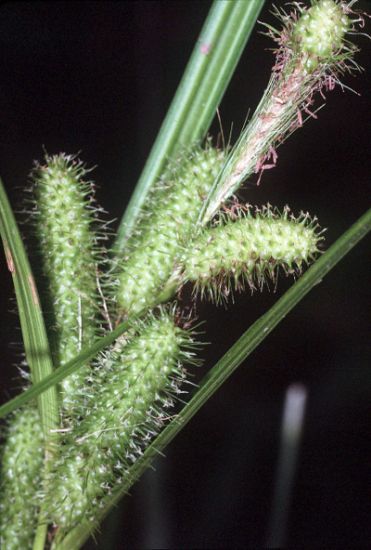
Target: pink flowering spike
312, 54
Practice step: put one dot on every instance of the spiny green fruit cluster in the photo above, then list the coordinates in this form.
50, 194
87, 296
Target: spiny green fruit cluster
126, 397
250, 248
64, 221
20, 482
165, 227
319, 32
129, 397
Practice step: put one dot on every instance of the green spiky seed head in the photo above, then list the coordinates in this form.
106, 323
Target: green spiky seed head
130, 396
64, 221
22, 460
249, 249
166, 225
319, 32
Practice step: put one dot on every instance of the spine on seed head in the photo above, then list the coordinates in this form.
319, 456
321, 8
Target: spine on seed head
312, 54
21, 470
64, 218
137, 383
249, 250
166, 225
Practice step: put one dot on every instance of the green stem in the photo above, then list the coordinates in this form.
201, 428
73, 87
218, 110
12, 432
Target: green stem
40, 537
210, 68
227, 365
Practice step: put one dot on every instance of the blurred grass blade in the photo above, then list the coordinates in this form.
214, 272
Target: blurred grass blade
287, 463
35, 340
210, 68
225, 367
63, 371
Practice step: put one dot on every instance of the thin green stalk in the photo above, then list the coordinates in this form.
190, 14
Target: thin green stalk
40, 537
227, 365
214, 58
35, 340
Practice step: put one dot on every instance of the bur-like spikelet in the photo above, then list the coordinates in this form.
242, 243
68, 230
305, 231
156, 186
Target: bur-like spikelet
319, 32
312, 55
249, 250
64, 218
137, 382
21, 479
165, 226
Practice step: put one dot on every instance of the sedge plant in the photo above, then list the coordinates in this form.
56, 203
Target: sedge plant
118, 344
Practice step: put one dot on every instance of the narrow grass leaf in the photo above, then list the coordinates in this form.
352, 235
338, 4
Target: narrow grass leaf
35, 340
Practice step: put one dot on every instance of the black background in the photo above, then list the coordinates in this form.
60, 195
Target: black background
97, 77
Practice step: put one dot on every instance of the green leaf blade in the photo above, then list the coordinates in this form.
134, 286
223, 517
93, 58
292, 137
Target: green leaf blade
31, 318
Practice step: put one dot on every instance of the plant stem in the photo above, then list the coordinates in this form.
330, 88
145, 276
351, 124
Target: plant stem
227, 365
210, 68
40, 537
